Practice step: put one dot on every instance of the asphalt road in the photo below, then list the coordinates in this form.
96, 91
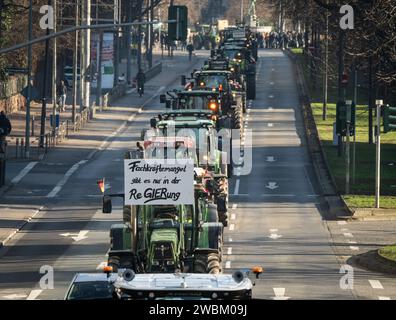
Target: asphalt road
276, 210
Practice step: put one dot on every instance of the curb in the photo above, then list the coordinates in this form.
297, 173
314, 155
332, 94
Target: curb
373, 261
336, 205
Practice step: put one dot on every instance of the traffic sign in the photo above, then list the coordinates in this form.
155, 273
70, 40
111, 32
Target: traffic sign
177, 31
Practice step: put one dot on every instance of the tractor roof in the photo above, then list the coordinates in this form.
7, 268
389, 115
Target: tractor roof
187, 285
198, 92
187, 122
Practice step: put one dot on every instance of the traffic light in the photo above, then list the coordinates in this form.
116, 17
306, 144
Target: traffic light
389, 118
177, 31
341, 118
346, 113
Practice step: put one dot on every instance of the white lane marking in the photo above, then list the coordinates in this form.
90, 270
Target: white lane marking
34, 294
234, 206
354, 248
383, 298
280, 294
270, 108
230, 240
233, 216
232, 227
270, 125
101, 265
229, 251
236, 190
65, 178
23, 173
271, 96
341, 223
228, 264
272, 186
348, 235
271, 159
376, 284
15, 296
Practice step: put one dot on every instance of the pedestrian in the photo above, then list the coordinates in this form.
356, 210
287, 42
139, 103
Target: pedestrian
140, 79
190, 49
5, 130
62, 92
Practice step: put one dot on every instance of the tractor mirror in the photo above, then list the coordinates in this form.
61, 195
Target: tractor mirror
163, 98
107, 205
257, 270
183, 80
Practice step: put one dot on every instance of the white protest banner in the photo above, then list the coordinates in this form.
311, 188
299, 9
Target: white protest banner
152, 182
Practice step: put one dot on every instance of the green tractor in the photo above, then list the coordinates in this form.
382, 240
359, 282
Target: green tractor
211, 107
229, 98
166, 238
204, 37
211, 166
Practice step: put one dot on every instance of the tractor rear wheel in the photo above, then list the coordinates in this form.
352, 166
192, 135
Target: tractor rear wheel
207, 263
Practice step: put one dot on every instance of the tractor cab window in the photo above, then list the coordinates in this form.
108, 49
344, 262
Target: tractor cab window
213, 81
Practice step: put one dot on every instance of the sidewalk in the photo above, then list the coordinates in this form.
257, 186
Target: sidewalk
45, 174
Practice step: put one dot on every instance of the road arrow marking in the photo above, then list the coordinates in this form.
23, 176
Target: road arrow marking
375, 284
274, 236
76, 236
271, 159
15, 296
272, 186
280, 294
34, 294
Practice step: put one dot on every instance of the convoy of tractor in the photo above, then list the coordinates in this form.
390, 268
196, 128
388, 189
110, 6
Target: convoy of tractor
187, 238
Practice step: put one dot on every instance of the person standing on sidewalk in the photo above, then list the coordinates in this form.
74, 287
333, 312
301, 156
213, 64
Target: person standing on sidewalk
190, 49
140, 79
5, 130
62, 92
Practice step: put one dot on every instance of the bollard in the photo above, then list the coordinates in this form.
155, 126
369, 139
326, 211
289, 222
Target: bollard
33, 126
16, 149
46, 144
22, 147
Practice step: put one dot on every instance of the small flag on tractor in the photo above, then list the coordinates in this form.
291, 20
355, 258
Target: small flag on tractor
101, 185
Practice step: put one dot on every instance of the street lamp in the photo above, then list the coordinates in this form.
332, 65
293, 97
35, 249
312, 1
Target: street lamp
379, 104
